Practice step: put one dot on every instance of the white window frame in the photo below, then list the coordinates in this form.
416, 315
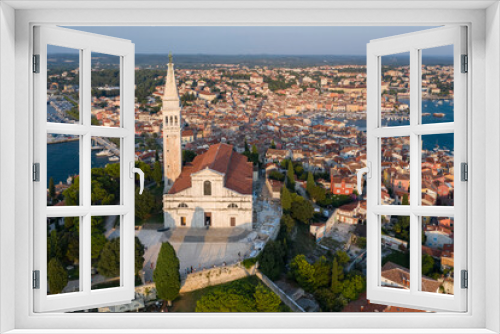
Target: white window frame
413, 43
483, 102
86, 44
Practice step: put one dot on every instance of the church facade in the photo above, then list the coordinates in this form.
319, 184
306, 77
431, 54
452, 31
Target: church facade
215, 190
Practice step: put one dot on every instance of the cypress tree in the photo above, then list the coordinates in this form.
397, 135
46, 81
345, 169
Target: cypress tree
286, 199
336, 288
166, 274
52, 188
57, 276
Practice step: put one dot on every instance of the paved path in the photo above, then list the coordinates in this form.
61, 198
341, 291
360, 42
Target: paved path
197, 248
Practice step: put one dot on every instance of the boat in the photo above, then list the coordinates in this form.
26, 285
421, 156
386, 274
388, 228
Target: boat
104, 153
425, 114
114, 158
438, 114
440, 102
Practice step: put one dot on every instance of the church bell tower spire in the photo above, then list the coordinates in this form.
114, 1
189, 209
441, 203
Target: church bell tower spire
171, 112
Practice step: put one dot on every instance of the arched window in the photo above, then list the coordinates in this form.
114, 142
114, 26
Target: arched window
176, 121
171, 121
207, 188
182, 205
232, 206
166, 120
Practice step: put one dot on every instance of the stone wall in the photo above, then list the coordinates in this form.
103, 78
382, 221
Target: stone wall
215, 276
287, 300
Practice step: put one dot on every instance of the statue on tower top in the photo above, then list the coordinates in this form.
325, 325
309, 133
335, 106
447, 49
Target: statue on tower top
170, 57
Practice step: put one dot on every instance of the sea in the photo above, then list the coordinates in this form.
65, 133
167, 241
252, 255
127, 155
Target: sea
63, 161
429, 142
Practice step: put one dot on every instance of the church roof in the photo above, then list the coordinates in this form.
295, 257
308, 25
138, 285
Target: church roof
222, 159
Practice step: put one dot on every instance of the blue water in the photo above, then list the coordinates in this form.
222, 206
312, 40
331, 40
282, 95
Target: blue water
429, 142
63, 160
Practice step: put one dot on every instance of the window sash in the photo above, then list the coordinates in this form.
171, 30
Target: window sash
86, 43
412, 43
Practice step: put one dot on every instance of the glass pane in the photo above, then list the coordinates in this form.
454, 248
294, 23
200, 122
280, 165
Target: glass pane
395, 271
437, 85
63, 81
437, 254
395, 88
105, 80
105, 171
395, 169
63, 255
63, 170
437, 169
105, 252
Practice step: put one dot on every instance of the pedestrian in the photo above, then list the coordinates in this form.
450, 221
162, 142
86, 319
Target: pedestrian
191, 269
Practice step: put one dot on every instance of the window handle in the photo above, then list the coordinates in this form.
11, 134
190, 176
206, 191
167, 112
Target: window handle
139, 171
360, 172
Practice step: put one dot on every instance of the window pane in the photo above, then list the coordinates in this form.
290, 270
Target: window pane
63, 170
63, 251
105, 171
63, 81
437, 254
395, 171
437, 169
105, 90
105, 253
395, 231
395, 89
437, 85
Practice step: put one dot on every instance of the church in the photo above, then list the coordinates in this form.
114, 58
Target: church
215, 190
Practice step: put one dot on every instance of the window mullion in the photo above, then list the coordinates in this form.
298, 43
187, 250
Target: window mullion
414, 168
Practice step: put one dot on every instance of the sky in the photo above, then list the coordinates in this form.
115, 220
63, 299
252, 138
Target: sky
253, 40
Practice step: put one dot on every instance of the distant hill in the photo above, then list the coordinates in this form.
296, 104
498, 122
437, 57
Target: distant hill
208, 61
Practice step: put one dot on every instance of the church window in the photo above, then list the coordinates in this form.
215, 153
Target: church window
232, 205
176, 121
166, 120
183, 205
207, 188
171, 121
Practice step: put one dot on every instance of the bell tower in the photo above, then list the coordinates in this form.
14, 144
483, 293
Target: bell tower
171, 112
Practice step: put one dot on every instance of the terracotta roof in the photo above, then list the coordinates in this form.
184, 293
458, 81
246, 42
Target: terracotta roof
222, 159
401, 276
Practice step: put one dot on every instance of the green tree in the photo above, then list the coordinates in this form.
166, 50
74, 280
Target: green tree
322, 272
52, 188
53, 245
286, 199
288, 222
57, 276
98, 241
145, 204
166, 274
311, 184
352, 286
109, 260
335, 277
303, 211
303, 272
427, 264
272, 259
328, 300
139, 255
290, 174
266, 300
157, 173
273, 145
342, 257
188, 156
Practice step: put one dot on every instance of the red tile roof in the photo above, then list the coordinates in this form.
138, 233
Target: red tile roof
219, 158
